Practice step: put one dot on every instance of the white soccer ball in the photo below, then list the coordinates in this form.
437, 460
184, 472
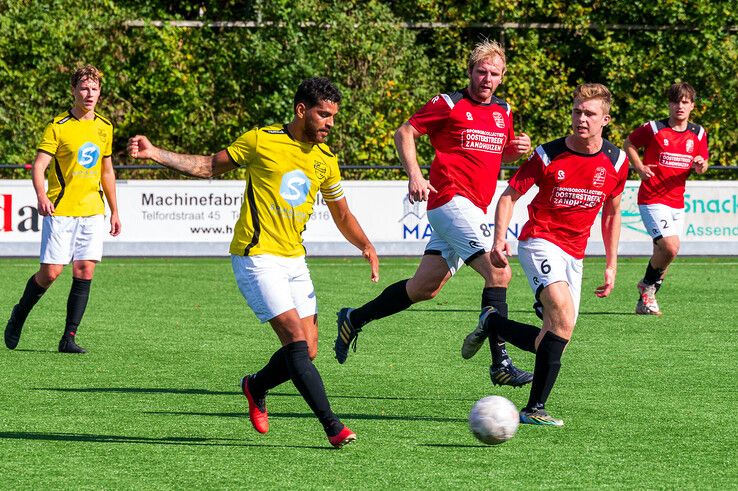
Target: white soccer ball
494, 420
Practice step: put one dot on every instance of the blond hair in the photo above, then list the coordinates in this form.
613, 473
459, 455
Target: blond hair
486, 50
84, 73
586, 92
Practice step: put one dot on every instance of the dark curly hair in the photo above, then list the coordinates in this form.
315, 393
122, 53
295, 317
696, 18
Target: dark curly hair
313, 90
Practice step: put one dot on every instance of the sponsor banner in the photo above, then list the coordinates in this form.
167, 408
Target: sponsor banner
175, 218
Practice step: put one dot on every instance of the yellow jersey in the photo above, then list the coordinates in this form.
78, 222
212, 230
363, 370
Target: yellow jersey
283, 177
78, 148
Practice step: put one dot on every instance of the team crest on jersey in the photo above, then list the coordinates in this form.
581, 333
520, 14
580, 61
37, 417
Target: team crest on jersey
101, 133
320, 169
599, 178
666, 142
295, 187
499, 121
88, 155
560, 175
690, 146
469, 116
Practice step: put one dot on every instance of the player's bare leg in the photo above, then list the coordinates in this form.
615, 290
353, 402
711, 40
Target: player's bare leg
494, 302
426, 283
35, 288
294, 361
558, 325
665, 250
79, 294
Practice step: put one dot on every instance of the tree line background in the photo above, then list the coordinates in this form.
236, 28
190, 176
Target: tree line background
197, 89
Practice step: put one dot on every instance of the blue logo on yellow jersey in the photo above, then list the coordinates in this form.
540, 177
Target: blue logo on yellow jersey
88, 155
295, 187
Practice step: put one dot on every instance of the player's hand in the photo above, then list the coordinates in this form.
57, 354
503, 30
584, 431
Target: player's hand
520, 144
499, 254
645, 172
45, 206
419, 188
699, 164
604, 290
114, 225
139, 147
370, 254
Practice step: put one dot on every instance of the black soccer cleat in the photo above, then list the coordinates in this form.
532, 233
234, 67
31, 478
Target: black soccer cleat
475, 339
67, 345
346, 333
508, 374
538, 416
13, 330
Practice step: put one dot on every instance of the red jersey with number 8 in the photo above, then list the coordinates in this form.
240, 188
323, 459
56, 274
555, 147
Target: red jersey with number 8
468, 138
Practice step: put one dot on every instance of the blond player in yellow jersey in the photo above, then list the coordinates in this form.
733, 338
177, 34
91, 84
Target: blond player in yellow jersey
77, 145
286, 166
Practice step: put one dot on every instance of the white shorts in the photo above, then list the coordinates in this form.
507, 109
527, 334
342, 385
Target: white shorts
661, 220
273, 285
461, 232
67, 239
545, 263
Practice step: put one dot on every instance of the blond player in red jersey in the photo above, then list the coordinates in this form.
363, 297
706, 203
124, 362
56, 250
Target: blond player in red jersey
673, 147
576, 177
472, 133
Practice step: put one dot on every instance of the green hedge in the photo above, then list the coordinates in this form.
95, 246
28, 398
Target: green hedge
197, 89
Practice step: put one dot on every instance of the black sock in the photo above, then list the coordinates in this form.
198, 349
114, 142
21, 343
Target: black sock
76, 304
658, 285
548, 364
392, 300
274, 373
652, 274
496, 297
31, 295
516, 333
308, 382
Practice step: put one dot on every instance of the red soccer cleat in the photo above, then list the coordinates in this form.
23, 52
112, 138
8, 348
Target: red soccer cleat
344, 437
257, 408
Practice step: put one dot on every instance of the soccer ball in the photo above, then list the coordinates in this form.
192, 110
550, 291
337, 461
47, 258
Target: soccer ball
493, 420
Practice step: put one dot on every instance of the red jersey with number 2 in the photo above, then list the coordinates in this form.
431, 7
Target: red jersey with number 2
572, 187
468, 138
669, 153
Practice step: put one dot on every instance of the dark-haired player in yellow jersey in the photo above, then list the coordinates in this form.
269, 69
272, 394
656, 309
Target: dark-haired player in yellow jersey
286, 165
78, 145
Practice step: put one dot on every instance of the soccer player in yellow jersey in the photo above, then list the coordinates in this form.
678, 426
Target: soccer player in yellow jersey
285, 167
79, 143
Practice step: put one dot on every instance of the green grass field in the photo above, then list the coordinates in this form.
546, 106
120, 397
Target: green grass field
648, 402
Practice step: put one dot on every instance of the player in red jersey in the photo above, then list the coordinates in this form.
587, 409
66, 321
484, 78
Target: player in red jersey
576, 177
472, 133
672, 148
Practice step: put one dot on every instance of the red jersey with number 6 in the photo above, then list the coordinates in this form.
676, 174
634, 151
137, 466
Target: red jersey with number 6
669, 153
572, 187
468, 138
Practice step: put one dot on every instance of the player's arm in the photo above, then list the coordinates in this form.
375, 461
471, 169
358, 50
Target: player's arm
349, 227
418, 187
503, 215
516, 148
642, 169
611, 238
107, 179
38, 176
202, 166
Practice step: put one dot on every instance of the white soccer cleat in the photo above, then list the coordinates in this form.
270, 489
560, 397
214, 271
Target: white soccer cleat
647, 304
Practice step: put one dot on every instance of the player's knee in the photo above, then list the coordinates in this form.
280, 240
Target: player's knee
46, 277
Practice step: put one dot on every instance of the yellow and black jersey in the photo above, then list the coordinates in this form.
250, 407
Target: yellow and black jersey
283, 177
78, 148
